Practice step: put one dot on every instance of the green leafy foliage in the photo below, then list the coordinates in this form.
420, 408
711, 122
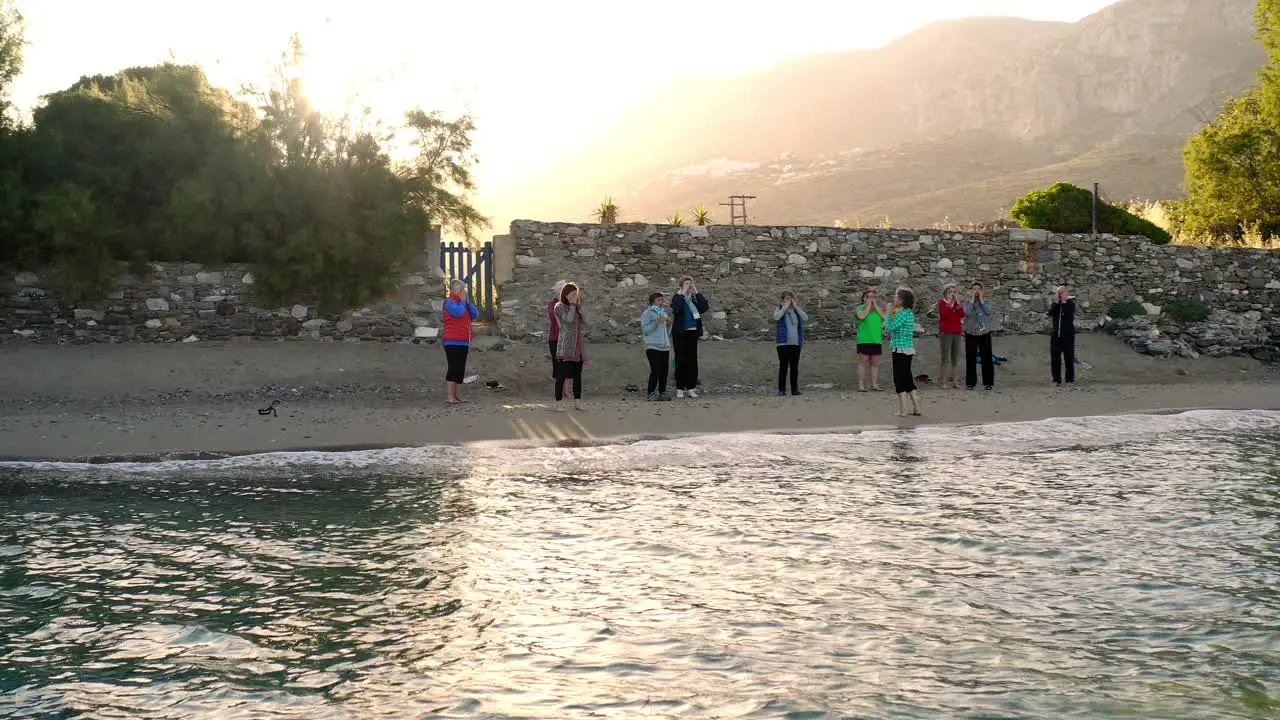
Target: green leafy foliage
1188, 310
1065, 208
701, 216
11, 42
675, 219
1233, 165
154, 163
1125, 309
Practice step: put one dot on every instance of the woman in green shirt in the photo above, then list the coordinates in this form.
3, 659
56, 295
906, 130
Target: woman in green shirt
870, 340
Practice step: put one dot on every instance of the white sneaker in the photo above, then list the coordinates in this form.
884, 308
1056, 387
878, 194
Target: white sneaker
693, 393
679, 393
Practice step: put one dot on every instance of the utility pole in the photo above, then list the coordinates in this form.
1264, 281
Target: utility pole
1095, 208
738, 208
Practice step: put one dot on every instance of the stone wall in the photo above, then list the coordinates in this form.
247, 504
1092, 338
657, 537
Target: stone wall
180, 301
742, 269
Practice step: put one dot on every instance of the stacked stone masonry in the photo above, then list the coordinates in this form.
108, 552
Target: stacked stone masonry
742, 270
180, 301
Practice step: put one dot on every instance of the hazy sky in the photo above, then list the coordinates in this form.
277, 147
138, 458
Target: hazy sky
539, 74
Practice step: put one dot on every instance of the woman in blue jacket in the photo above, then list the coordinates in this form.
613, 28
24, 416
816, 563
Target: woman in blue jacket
687, 307
655, 324
790, 338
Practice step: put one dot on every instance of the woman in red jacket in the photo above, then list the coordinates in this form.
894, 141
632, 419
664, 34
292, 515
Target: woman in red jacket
459, 312
950, 334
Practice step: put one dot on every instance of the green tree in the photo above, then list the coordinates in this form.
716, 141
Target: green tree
11, 44
154, 163
1065, 208
440, 175
1233, 165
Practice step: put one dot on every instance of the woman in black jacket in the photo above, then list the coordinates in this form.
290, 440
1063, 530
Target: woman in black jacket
1062, 342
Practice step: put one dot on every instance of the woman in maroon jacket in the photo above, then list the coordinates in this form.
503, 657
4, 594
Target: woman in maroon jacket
553, 327
950, 334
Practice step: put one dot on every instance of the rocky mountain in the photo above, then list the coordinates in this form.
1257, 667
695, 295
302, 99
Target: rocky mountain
952, 121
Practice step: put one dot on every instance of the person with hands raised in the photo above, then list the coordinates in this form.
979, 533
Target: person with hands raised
790, 319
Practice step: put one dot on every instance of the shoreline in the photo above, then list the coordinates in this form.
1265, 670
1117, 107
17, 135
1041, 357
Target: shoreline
113, 403
591, 440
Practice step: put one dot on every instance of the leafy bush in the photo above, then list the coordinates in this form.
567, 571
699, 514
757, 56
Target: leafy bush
1188, 310
1125, 309
1065, 208
154, 164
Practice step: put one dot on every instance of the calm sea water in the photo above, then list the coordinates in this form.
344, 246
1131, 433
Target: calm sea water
1093, 568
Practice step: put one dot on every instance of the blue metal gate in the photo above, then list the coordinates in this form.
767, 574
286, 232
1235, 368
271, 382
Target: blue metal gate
458, 261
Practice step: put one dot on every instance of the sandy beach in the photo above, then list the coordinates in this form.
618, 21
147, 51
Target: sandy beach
135, 400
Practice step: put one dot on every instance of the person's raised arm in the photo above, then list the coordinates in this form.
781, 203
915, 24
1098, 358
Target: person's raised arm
455, 308
777, 314
803, 316
566, 313
700, 302
475, 311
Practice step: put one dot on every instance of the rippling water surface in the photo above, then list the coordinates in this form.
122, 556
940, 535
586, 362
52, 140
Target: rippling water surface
1106, 567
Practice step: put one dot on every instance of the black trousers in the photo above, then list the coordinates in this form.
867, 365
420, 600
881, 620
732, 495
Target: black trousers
569, 370
551, 345
659, 368
455, 357
976, 346
903, 380
685, 344
789, 367
1063, 350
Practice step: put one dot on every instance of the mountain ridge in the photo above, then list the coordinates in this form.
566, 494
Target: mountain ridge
955, 119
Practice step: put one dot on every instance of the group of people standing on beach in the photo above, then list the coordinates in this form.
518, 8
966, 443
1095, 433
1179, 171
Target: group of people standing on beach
671, 330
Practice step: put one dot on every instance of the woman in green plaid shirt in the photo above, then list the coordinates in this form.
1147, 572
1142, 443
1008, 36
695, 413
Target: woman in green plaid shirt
901, 329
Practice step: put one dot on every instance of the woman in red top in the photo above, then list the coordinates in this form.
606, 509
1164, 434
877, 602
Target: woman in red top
950, 333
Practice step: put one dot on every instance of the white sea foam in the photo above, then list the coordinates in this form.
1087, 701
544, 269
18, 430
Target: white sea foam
692, 451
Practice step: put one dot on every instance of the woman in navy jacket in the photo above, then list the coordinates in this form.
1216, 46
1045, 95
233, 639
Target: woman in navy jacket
687, 307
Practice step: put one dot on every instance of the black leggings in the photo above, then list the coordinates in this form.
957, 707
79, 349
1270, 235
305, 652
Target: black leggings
551, 345
1063, 350
975, 346
685, 344
456, 359
789, 366
659, 365
569, 370
903, 380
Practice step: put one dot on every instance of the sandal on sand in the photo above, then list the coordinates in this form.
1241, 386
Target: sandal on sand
876, 388
862, 389
916, 414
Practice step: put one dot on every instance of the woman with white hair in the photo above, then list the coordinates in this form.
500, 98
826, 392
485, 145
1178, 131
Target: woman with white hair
459, 312
1062, 340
